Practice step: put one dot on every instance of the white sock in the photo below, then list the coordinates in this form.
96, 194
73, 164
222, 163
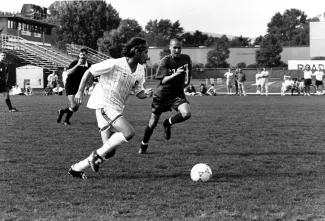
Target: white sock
170, 121
114, 141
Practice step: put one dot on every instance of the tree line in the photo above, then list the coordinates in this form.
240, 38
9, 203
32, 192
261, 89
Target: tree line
98, 25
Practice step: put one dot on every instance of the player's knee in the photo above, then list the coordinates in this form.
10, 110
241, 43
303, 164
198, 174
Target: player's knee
129, 134
186, 115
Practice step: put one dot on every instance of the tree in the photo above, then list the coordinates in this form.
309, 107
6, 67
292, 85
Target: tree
159, 33
194, 40
82, 22
240, 42
258, 40
111, 43
291, 28
269, 52
164, 52
217, 57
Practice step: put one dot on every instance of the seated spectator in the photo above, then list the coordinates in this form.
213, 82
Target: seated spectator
287, 84
28, 90
58, 90
16, 90
203, 90
211, 91
48, 91
190, 90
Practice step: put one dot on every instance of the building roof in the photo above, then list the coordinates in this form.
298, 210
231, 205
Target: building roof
20, 18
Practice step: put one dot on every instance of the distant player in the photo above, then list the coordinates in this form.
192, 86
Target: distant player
4, 89
174, 74
319, 75
74, 74
118, 78
258, 81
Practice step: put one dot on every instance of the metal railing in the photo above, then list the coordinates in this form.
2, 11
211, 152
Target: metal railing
93, 55
34, 54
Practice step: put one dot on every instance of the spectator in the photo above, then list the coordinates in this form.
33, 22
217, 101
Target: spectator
319, 75
28, 90
241, 78
212, 91
58, 90
236, 78
258, 81
229, 81
265, 81
190, 90
203, 90
48, 91
301, 85
307, 76
52, 79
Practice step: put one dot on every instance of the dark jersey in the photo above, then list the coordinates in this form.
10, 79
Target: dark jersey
3, 72
74, 79
175, 87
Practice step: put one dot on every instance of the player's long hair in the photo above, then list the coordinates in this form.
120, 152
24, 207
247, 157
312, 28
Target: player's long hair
128, 50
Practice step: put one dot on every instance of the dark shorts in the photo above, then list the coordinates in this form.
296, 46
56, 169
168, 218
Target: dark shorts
307, 81
319, 83
71, 90
3, 87
160, 105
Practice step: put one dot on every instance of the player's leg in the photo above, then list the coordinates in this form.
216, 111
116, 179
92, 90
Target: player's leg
266, 88
148, 132
8, 101
184, 113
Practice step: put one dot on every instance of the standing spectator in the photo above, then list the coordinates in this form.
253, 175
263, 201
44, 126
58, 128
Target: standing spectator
75, 72
258, 81
229, 81
190, 90
4, 89
236, 79
264, 76
319, 75
241, 78
307, 76
52, 79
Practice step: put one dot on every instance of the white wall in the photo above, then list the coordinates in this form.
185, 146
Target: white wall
34, 74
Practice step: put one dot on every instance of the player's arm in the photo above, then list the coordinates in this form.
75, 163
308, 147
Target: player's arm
73, 67
145, 93
85, 78
179, 71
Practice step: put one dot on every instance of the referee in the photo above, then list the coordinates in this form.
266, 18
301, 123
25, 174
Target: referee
74, 75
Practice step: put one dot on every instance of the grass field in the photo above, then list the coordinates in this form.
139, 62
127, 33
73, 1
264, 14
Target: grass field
267, 156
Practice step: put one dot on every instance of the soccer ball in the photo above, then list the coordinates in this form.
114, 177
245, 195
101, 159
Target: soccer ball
201, 172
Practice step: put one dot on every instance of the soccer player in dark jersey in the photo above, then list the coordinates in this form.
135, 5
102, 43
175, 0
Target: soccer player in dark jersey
174, 73
4, 89
75, 72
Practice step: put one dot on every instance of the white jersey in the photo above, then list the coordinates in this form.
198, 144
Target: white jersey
116, 82
308, 74
258, 79
229, 76
265, 76
319, 75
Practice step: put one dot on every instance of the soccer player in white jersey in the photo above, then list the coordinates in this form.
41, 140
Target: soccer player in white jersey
319, 75
258, 81
118, 78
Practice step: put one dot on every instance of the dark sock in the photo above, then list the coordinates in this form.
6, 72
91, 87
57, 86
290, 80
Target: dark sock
147, 134
8, 102
177, 118
69, 115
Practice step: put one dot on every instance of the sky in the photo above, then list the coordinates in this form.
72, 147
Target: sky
246, 18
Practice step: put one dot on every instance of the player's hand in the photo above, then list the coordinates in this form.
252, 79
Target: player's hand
78, 97
181, 69
80, 62
148, 92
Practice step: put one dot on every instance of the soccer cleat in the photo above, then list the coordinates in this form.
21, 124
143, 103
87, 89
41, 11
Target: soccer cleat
143, 148
13, 110
60, 115
77, 174
66, 123
94, 161
167, 129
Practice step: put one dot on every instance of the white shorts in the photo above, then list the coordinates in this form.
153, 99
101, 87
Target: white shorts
106, 116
